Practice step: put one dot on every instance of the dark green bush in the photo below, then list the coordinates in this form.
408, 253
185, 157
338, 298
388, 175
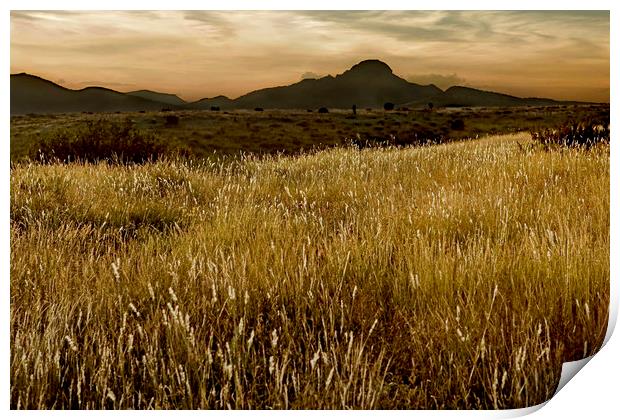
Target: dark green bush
583, 134
172, 120
102, 140
457, 124
388, 106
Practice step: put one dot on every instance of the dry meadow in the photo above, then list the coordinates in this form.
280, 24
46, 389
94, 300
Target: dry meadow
458, 275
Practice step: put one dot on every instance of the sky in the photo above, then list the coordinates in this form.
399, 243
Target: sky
196, 54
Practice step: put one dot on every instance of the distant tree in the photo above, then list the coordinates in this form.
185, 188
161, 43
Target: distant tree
309, 110
215, 108
166, 110
354, 109
430, 106
323, 110
388, 106
259, 109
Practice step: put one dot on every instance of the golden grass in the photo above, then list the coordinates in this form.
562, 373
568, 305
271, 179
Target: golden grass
452, 276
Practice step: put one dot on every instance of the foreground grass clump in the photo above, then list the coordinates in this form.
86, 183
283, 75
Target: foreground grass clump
452, 276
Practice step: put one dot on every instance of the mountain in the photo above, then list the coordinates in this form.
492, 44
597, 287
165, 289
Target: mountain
164, 98
32, 94
466, 96
368, 84
206, 103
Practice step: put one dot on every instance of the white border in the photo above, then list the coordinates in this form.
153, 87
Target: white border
592, 394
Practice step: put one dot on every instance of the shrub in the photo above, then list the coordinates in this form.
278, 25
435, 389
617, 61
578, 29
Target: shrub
457, 125
388, 106
259, 109
323, 110
215, 108
583, 134
172, 120
100, 140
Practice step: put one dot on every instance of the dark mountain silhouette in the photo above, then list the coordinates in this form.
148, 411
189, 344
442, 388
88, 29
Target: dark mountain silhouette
466, 96
368, 84
206, 103
32, 94
164, 98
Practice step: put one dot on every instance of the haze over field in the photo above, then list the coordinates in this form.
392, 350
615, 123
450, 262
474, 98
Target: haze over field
196, 54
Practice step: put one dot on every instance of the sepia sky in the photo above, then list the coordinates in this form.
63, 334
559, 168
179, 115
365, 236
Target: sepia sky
196, 54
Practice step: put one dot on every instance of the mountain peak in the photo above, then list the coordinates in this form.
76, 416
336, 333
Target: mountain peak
371, 67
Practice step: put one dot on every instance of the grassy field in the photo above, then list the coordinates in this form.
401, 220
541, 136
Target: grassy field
291, 132
452, 276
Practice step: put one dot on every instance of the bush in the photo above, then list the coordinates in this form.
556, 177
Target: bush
583, 134
388, 106
215, 108
457, 125
100, 140
258, 109
323, 110
172, 120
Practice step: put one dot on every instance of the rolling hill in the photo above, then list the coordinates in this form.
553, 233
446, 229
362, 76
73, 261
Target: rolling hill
164, 98
221, 101
466, 96
32, 94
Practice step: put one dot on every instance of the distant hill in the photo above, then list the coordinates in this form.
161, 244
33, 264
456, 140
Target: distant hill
206, 103
368, 84
164, 98
32, 94
466, 96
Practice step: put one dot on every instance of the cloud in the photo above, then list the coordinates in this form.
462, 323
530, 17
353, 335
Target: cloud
442, 81
106, 84
310, 75
215, 23
398, 25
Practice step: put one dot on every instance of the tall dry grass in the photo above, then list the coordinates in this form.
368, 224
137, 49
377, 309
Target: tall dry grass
452, 276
